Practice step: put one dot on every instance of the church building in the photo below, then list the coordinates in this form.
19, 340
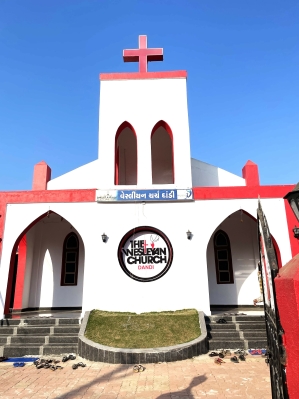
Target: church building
144, 227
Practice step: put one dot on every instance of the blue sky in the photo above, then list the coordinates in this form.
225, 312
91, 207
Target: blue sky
242, 59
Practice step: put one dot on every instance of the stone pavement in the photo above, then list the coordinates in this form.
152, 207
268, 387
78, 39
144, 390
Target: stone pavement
189, 379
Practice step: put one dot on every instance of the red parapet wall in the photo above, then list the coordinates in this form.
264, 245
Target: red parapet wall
287, 294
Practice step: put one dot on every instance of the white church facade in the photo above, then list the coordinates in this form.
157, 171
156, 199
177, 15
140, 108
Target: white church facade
144, 227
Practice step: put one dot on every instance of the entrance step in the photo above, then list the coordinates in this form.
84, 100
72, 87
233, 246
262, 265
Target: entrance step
39, 336
240, 332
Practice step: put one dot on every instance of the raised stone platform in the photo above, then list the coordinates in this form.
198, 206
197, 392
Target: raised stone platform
102, 353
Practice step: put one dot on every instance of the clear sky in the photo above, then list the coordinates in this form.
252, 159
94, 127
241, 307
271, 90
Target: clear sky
242, 59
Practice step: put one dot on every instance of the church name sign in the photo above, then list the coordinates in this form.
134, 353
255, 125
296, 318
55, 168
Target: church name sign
145, 254
144, 195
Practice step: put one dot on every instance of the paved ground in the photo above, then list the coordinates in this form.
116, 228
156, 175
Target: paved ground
188, 379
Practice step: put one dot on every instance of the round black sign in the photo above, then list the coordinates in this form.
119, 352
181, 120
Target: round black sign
145, 253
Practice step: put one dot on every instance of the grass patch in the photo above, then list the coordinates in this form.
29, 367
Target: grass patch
145, 330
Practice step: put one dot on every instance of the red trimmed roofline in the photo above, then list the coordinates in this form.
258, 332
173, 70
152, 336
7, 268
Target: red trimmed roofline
143, 75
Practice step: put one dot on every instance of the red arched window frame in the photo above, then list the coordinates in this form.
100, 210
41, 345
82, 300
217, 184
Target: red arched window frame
169, 131
223, 258
70, 259
116, 150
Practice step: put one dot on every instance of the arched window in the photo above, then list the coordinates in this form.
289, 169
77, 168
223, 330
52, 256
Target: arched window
70, 256
223, 258
162, 154
125, 155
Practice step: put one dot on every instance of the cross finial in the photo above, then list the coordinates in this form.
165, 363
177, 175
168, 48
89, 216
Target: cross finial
143, 54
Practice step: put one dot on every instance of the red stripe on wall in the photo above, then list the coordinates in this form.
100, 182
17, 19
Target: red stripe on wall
18, 299
241, 192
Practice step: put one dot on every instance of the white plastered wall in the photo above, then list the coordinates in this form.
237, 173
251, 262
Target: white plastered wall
206, 175
143, 103
107, 287
86, 176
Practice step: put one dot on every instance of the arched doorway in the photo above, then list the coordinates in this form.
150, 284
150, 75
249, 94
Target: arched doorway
236, 259
125, 155
36, 266
162, 154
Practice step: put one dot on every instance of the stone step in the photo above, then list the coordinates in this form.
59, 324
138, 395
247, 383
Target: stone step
224, 334
215, 344
257, 343
47, 330
6, 331
25, 339
252, 326
38, 322
215, 326
259, 319
60, 349
53, 339
21, 350
254, 334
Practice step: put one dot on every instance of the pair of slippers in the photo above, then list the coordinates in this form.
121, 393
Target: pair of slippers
68, 357
222, 354
221, 321
138, 368
76, 365
19, 364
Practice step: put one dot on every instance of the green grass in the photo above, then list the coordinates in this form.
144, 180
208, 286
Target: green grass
145, 330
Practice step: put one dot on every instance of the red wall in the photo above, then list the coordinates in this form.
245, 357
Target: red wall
287, 294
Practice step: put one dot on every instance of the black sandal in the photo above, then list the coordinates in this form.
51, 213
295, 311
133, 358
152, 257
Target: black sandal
221, 321
234, 359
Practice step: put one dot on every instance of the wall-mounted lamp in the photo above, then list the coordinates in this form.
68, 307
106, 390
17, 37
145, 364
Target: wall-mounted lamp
296, 232
104, 237
189, 235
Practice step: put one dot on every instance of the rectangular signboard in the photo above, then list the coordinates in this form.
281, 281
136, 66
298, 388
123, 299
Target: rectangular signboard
144, 195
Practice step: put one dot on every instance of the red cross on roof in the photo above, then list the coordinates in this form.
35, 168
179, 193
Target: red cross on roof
143, 54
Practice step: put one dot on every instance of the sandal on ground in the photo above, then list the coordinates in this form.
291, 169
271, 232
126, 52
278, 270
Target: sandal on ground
81, 364
138, 368
242, 357
221, 321
19, 364
75, 366
234, 359
221, 355
219, 361
68, 357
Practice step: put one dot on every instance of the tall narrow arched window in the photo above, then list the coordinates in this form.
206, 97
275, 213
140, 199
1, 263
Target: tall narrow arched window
223, 258
162, 154
125, 155
70, 256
